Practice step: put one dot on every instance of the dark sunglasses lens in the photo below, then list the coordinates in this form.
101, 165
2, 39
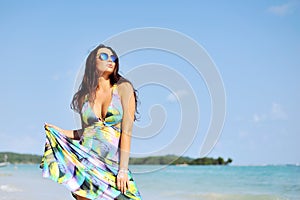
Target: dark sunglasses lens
113, 58
103, 56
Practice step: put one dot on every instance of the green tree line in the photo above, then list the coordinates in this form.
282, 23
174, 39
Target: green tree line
16, 158
175, 160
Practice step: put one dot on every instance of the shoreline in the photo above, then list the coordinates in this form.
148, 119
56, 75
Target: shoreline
213, 183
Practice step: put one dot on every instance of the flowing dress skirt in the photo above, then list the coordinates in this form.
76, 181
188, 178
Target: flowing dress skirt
82, 168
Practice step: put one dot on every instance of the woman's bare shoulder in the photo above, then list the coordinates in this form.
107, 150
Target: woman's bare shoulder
125, 88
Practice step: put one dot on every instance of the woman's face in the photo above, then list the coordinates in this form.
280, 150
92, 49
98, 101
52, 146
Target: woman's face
105, 61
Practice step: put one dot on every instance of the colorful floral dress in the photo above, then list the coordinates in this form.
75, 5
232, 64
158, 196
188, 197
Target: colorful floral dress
88, 167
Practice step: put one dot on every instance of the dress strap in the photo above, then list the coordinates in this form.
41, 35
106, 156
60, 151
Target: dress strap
114, 87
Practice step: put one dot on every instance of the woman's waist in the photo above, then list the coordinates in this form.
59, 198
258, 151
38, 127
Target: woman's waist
101, 128
102, 124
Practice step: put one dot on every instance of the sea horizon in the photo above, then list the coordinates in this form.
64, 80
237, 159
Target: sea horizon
230, 164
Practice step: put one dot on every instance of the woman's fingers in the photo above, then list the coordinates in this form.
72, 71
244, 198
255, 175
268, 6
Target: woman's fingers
53, 126
122, 187
49, 125
125, 187
122, 183
118, 183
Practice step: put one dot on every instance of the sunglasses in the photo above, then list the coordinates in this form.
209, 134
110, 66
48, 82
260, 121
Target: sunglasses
105, 56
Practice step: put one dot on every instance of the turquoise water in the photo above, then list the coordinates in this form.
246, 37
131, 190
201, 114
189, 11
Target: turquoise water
172, 182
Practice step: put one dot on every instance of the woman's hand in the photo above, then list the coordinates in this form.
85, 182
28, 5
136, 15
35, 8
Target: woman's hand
55, 127
122, 180
62, 131
73, 134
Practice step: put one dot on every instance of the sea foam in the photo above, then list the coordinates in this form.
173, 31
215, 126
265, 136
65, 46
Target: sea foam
9, 188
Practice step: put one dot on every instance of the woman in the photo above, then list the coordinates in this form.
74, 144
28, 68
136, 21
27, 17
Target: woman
93, 161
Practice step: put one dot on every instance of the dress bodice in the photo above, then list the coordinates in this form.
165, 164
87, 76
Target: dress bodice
89, 167
114, 112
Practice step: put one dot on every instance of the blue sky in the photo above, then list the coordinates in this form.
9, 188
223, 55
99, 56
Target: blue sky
255, 46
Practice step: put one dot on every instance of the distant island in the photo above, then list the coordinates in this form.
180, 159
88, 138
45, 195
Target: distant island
17, 158
176, 160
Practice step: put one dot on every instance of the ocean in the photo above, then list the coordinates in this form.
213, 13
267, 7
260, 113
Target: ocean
19, 182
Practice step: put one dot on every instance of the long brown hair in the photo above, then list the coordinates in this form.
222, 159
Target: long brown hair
89, 82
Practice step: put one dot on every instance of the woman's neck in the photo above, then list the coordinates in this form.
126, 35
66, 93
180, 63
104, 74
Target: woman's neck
104, 83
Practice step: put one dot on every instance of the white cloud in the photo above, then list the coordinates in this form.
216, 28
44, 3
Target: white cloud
173, 97
259, 117
276, 113
282, 10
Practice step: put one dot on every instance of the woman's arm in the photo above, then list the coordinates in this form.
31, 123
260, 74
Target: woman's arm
128, 104
73, 134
